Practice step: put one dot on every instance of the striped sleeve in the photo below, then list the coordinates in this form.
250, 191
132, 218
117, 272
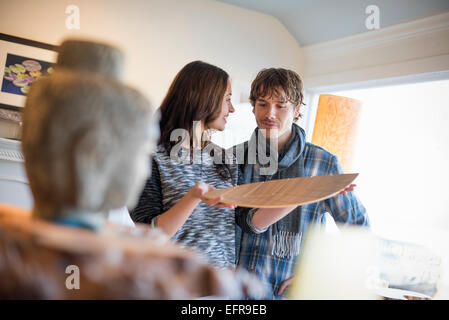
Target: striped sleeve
149, 205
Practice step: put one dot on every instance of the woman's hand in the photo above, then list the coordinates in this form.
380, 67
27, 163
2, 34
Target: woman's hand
201, 188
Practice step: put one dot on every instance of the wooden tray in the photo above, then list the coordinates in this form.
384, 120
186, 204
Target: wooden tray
284, 192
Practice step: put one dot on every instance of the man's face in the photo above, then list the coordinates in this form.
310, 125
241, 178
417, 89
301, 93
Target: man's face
275, 114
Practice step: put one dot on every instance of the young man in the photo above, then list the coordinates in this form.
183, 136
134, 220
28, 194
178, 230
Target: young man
271, 239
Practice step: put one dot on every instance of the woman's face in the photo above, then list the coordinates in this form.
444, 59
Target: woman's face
226, 108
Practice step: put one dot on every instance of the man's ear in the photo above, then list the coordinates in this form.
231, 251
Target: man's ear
297, 113
254, 110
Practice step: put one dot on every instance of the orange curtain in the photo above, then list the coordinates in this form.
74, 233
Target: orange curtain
336, 127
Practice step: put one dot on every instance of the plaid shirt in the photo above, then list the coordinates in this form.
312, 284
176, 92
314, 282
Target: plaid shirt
256, 245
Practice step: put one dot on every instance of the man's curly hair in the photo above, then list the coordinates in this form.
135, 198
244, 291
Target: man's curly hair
271, 81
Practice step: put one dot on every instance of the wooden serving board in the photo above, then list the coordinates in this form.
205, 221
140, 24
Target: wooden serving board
284, 192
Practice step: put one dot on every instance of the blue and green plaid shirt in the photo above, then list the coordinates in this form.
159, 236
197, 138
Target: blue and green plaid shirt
256, 245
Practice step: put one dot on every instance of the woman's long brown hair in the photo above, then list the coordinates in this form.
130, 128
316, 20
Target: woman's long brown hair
195, 94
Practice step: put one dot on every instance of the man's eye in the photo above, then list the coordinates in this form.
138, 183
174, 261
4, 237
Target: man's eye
282, 106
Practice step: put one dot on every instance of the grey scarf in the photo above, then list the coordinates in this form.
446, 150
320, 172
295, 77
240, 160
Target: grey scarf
286, 236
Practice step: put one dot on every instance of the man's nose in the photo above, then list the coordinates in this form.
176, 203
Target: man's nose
271, 112
231, 109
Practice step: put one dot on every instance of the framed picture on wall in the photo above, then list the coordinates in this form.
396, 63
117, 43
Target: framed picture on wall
22, 61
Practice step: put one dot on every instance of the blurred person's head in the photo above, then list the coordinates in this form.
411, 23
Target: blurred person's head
86, 136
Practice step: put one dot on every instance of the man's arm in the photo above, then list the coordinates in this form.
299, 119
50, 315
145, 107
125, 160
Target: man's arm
263, 218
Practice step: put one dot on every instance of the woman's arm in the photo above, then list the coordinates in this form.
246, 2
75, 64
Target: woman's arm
173, 219
149, 204
150, 208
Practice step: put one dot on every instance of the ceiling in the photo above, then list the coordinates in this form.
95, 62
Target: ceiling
313, 21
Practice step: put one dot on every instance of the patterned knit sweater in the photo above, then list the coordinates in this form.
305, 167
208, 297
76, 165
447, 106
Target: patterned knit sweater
209, 230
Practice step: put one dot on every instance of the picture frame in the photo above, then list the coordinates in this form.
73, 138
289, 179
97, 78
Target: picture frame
22, 61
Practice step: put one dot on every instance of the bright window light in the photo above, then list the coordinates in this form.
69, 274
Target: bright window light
402, 155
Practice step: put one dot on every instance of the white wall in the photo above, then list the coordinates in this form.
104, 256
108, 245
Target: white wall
160, 36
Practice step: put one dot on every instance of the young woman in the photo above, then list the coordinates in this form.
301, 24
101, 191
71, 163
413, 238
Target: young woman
183, 167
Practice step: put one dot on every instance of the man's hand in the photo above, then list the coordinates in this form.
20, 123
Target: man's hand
350, 188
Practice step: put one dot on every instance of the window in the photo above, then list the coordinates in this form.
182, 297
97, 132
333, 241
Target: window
402, 155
